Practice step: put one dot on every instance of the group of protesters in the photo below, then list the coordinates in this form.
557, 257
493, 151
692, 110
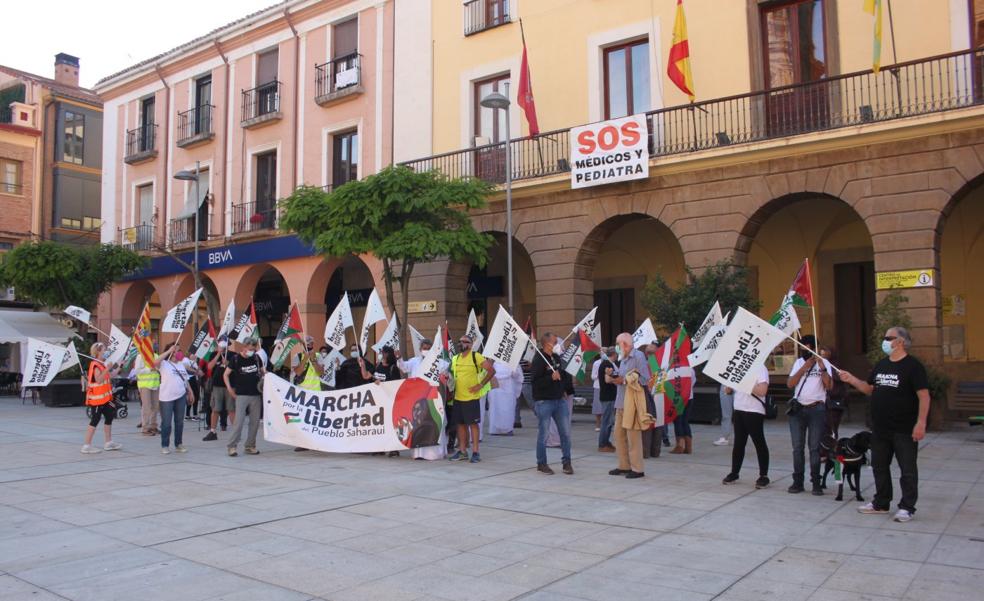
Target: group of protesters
483, 395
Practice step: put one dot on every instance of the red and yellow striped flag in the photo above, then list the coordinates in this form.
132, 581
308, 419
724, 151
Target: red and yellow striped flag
142, 336
678, 66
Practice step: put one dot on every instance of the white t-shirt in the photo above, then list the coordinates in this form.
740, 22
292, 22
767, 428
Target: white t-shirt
173, 381
263, 356
594, 373
810, 390
746, 402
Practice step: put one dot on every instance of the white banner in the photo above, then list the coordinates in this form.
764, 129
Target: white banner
229, 320
390, 337
44, 360
340, 320
374, 313
180, 314
388, 416
330, 365
117, 346
430, 366
587, 323
644, 334
744, 347
473, 330
415, 338
713, 318
78, 313
507, 341
71, 358
609, 151
708, 345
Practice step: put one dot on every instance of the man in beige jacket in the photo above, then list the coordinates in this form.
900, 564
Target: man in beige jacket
628, 442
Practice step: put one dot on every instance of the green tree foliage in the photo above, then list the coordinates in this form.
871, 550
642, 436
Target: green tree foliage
52, 274
400, 216
689, 303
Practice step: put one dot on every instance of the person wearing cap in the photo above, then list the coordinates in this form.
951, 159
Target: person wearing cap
471, 372
220, 399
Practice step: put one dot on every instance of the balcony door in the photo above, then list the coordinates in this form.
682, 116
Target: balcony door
627, 79
794, 42
266, 81
490, 128
344, 158
203, 101
266, 189
147, 106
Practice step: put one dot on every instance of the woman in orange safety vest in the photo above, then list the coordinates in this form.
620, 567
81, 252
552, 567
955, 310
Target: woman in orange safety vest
98, 394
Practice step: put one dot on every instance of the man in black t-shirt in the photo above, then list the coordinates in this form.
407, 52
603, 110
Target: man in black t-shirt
246, 371
219, 398
899, 391
606, 394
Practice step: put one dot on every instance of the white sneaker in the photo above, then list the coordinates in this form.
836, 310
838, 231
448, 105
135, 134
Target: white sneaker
869, 509
902, 515
112, 446
165, 451
88, 449
721, 442
181, 448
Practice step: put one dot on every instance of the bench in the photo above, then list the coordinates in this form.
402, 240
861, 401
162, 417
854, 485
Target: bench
969, 397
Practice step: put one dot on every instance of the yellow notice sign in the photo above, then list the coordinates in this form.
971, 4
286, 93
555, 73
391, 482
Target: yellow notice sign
915, 278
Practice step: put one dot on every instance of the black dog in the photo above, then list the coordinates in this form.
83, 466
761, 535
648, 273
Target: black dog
853, 452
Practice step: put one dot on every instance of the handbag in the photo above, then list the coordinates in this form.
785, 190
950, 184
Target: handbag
794, 406
771, 409
837, 395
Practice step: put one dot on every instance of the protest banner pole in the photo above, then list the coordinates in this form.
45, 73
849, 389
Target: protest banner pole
813, 303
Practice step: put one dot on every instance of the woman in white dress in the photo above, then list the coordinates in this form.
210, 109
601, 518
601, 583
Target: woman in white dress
502, 399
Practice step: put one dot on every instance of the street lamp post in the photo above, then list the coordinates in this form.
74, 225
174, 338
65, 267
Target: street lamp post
187, 175
497, 101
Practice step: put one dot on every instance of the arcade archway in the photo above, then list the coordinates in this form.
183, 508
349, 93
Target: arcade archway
961, 256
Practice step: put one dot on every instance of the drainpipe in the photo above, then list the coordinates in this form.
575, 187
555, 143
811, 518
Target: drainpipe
167, 146
224, 138
297, 98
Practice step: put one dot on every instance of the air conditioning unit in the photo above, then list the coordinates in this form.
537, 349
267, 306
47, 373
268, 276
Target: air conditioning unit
7, 294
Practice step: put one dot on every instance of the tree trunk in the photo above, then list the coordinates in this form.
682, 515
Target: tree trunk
407, 270
390, 300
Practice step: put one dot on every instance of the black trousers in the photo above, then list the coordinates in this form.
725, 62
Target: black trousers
884, 446
749, 424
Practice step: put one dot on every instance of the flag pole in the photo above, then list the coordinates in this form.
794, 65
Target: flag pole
813, 308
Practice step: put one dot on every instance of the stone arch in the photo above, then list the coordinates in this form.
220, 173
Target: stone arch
134, 297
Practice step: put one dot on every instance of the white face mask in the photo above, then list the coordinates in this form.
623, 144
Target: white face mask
354, 354
250, 353
223, 345
559, 347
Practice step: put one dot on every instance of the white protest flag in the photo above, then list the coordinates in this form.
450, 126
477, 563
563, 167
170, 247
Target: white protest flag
229, 320
180, 314
374, 313
473, 330
117, 346
430, 366
415, 338
709, 343
786, 319
713, 318
587, 323
71, 357
44, 360
330, 365
245, 329
744, 347
507, 341
644, 334
340, 320
390, 337
595, 335
78, 313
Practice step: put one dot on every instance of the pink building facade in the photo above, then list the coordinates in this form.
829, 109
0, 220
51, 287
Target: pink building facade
298, 94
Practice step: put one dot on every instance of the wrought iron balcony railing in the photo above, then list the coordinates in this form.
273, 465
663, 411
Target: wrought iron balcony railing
930, 85
338, 77
182, 230
254, 216
485, 14
139, 238
261, 103
141, 143
195, 125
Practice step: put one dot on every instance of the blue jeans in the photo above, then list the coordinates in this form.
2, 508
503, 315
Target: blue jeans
555, 409
173, 411
607, 421
810, 420
681, 425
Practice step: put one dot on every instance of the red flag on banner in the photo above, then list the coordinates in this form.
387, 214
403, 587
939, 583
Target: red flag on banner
524, 96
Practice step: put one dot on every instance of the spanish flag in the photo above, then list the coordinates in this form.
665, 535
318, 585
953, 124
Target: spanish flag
678, 67
874, 8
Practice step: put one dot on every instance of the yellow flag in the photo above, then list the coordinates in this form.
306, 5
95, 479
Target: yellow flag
874, 8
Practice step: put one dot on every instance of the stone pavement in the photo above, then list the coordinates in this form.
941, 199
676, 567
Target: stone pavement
136, 525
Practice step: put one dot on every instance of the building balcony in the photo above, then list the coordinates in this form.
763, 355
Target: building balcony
261, 105
140, 238
195, 126
485, 14
254, 216
338, 79
141, 144
181, 231
857, 100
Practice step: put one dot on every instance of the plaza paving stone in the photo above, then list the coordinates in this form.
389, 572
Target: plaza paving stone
137, 525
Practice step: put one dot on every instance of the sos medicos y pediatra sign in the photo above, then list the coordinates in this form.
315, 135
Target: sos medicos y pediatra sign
610, 151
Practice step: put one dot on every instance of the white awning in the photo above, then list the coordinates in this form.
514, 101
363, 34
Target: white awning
190, 206
18, 326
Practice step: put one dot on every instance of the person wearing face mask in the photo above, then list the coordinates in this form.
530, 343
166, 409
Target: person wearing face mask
809, 379
628, 441
220, 398
98, 394
191, 370
174, 397
899, 390
306, 367
350, 372
244, 388
148, 386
